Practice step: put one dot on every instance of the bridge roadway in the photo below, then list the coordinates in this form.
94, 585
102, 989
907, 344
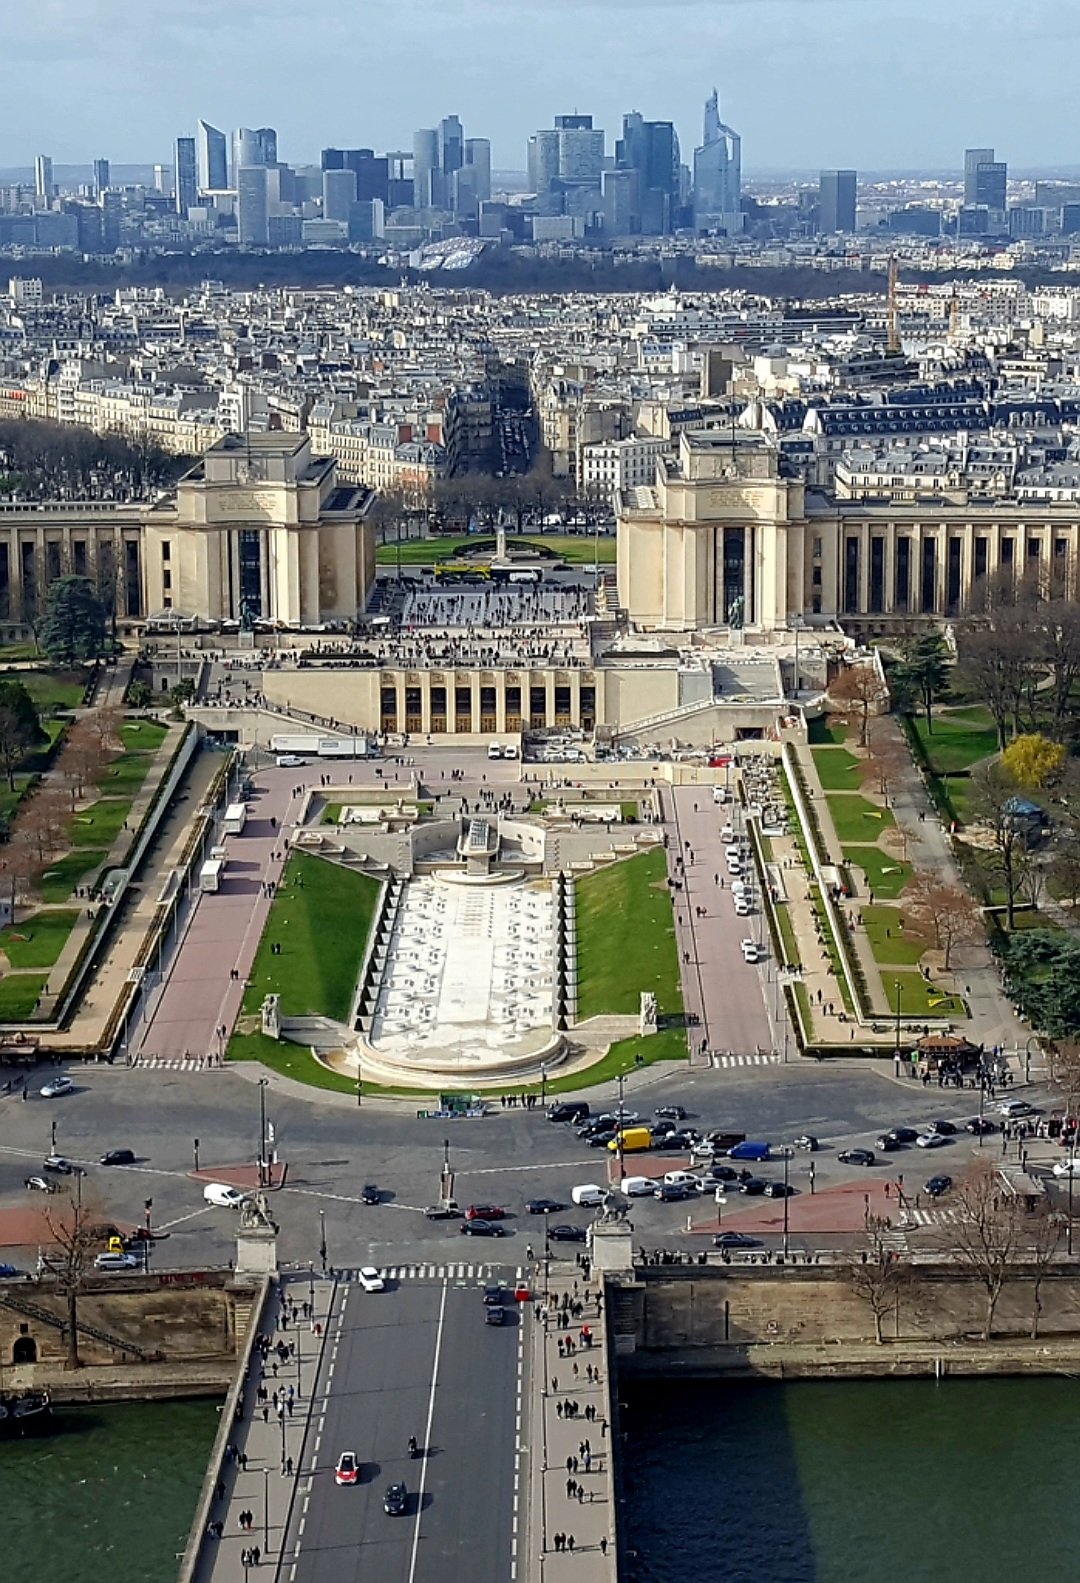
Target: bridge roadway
417, 1359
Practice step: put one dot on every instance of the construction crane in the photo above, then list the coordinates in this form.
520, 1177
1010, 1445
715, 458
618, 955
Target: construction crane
894, 309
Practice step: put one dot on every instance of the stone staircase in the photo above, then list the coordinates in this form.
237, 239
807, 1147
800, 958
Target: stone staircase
45, 1316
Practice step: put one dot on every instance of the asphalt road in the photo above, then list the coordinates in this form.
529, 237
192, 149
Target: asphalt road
415, 1359
332, 1150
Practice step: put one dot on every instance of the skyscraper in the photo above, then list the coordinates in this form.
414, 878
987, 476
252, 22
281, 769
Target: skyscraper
251, 148
427, 172
339, 194
213, 158
252, 206
973, 158
651, 148
451, 148
478, 160
837, 195
717, 174
187, 176
101, 176
543, 161
43, 177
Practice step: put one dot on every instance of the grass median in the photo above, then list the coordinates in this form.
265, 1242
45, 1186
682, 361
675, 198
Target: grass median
626, 939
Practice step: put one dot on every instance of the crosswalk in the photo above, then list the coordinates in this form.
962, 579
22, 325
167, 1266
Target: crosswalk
176, 1063
936, 1217
769, 1058
435, 1272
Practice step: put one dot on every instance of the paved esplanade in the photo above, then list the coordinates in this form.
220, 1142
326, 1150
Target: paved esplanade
416, 1359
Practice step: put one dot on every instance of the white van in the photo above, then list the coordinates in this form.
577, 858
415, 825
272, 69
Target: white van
222, 1196
733, 852
588, 1196
680, 1179
727, 833
494, 751
638, 1186
719, 794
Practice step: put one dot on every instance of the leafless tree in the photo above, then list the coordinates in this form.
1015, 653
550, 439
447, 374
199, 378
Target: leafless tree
987, 1235
998, 659
73, 1225
942, 913
860, 689
879, 1276
1045, 1228
887, 758
993, 805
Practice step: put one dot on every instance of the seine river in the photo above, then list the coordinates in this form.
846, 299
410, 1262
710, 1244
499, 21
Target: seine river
109, 1500
907, 1481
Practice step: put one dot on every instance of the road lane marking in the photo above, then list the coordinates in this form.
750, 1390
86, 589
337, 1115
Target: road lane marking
193, 1214
427, 1433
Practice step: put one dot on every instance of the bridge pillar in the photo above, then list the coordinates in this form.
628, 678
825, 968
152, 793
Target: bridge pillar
611, 1244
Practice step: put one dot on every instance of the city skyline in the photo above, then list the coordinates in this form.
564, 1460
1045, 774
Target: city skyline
960, 90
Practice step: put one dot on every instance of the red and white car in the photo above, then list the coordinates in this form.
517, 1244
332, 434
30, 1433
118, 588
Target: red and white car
348, 1469
484, 1212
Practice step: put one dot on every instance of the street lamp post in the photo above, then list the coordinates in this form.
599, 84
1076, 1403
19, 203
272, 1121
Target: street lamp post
322, 1239
311, 1286
720, 1201
195, 1152
899, 998
813, 1177
266, 1510
52, 1134
619, 1135
262, 1131
787, 1164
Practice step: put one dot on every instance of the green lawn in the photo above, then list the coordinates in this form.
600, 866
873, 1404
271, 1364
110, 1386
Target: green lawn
888, 940
828, 730
802, 995
578, 549
838, 770
142, 735
125, 775
886, 876
856, 818
626, 938
19, 993
62, 876
38, 940
959, 739
101, 823
320, 916
920, 999
52, 689
782, 914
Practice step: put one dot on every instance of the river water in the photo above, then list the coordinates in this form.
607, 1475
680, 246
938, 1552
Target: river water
900, 1480
109, 1499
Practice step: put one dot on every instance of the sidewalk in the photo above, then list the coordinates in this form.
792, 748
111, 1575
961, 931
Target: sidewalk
560, 1438
262, 1474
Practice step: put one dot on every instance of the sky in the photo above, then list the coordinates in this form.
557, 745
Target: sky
877, 84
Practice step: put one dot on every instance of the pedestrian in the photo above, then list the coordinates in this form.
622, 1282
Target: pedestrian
256, 1555
569, 1460
289, 1466
570, 1543
603, 1547
558, 1408
570, 1488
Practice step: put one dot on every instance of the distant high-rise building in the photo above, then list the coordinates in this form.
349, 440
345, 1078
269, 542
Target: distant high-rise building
581, 150
187, 176
651, 148
543, 161
339, 194
213, 158
991, 184
249, 148
973, 158
372, 174
101, 176
717, 173
427, 171
252, 206
622, 202
43, 177
837, 201
163, 179
478, 160
451, 147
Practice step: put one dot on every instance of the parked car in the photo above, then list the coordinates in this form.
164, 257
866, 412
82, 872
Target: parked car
676, 1143
222, 1196
722, 1173
118, 1261
980, 1125
749, 1149
673, 1192
57, 1086
946, 1128
806, 1141
937, 1185
1007, 1107
8, 1272
543, 1206
600, 1140
370, 1194
670, 1112
485, 1212
290, 761
41, 1184
369, 1278
481, 1228
118, 1157
753, 1186
856, 1157
567, 1233
638, 1187
734, 1239
348, 1469
930, 1140
750, 951
447, 1210
62, 1167
903, 1134
568, 1110
887, 1143
679, 1179
588, 1195
779, 1190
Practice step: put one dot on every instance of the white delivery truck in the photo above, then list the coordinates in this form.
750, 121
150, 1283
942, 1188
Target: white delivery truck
210, 874
235, 818
293, 745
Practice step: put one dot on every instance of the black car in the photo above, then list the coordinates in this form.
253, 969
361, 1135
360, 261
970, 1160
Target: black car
543, 1206
904, 1134
62, 1167
481, 1228
597, 1124
495, 1316
944, 1129
676, 1143
722, 1173
856, 1157
118, 1157
673, 1192
600, 1140
567, 1233
495, 1294
807, 1142
937, 1185
662, 1129
370, 1194
395, 1500
568, 1110
779, 1190
980, 1125
754, 1186
670, 1112
734, 1239
887, 1143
